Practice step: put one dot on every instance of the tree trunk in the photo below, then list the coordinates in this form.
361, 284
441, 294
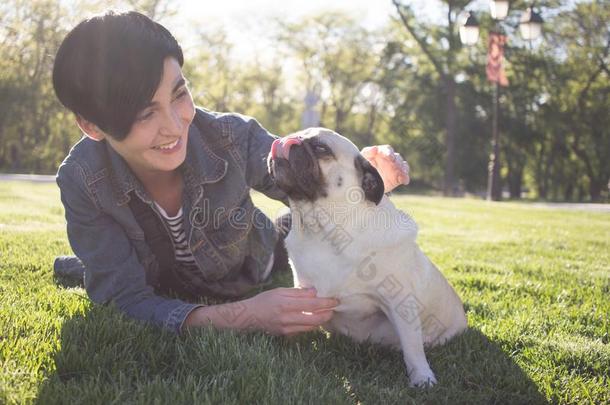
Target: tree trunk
494, 186
15, 161
370, 129
547, 173
595, 190
581, 194
595, 184
541, 187
568, 193
449, 175
340, 117
515, 181
323, 114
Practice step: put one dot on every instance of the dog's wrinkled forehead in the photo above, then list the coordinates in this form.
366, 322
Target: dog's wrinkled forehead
340, 145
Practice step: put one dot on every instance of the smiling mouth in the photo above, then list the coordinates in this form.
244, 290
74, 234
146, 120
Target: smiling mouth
167, 146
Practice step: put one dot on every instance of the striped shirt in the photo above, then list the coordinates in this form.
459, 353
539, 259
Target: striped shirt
182, 252
181, 248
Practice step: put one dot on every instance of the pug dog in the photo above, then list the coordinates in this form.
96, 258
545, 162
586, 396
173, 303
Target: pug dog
350, 242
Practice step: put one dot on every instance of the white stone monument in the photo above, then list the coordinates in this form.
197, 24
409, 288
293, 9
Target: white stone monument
311, 116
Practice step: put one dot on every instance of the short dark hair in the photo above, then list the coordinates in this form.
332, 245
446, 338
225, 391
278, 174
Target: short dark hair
108, 68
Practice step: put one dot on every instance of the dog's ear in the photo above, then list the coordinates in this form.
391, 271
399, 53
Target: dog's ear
371, 181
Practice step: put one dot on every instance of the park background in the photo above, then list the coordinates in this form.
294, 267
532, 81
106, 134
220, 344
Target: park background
534, 277
377, 79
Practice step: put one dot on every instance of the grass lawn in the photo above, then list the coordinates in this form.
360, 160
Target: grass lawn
535, 283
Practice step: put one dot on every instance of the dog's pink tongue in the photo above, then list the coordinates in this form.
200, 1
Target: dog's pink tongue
281, 147
274, 148
287, 143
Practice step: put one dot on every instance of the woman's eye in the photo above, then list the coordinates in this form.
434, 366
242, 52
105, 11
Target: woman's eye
146, 116
181, 95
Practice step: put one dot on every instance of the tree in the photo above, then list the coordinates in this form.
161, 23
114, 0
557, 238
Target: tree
155, 9
221, 82
584, 34
33, 125
440, 49
340, 56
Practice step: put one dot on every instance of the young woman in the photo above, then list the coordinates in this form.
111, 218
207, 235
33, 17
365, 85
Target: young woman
156, 194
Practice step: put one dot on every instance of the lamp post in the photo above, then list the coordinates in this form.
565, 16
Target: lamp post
530, 25
499, 9
531, 28
469, 31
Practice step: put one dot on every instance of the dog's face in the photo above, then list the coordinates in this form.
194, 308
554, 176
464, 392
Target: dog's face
318, 163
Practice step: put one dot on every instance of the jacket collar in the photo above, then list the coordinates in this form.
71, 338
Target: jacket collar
200, 166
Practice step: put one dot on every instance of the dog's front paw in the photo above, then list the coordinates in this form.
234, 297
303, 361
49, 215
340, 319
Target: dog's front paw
422, 379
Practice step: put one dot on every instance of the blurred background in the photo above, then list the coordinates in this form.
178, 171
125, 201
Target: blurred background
394, 72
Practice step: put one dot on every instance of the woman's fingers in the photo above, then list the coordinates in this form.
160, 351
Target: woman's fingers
369, 151
307, 319
292, 310
310, 304
304, 299
387, 150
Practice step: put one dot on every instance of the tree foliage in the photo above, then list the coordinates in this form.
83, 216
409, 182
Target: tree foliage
411, 84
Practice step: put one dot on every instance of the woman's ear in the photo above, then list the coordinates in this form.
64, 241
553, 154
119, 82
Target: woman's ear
90, 129
371, 181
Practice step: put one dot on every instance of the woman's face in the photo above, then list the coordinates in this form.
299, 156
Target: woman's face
158, 138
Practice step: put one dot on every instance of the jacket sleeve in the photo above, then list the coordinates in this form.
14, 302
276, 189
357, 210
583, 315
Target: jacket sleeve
255, 145
113, 272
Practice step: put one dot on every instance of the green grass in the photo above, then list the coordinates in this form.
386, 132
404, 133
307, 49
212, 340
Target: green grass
535, 283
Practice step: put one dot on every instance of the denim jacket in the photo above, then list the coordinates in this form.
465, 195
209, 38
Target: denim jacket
230, 239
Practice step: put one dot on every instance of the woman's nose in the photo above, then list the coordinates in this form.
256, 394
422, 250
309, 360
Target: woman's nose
173, 124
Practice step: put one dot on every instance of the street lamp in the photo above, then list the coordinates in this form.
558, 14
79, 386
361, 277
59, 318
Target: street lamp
499, 9
530, 27
469, 31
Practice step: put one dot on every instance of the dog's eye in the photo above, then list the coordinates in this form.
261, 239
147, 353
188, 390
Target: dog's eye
320, 149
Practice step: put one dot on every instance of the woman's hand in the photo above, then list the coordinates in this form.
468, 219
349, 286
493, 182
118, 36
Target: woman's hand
288, 311
392, 168
281, 311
